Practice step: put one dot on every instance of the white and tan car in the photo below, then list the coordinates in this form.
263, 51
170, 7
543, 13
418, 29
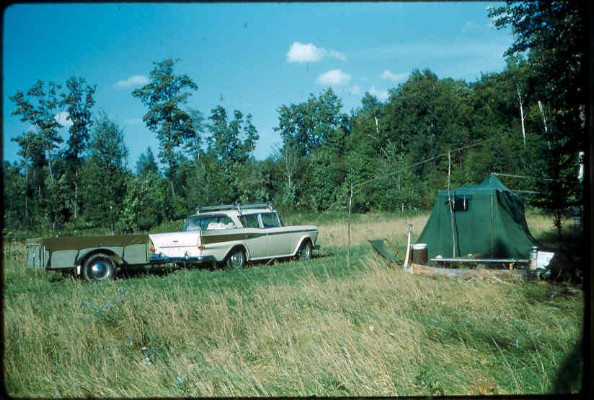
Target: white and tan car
233, 235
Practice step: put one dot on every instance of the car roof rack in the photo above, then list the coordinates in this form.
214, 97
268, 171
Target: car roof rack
236, 206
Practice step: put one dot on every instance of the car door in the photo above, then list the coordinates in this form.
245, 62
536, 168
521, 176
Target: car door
256, 240
279, 240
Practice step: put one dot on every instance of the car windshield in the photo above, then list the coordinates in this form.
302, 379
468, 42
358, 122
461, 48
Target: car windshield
208, 222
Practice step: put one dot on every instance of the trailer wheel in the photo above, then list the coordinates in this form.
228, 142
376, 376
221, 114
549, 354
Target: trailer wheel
99, 267
236, 259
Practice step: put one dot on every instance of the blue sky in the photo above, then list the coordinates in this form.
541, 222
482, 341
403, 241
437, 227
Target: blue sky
250, 57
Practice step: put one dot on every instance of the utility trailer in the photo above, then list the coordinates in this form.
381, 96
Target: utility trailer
95, 258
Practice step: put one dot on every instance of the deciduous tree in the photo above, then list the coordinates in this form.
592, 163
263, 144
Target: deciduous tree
552, 35
164, 96
78, 103
105, 174
39, 107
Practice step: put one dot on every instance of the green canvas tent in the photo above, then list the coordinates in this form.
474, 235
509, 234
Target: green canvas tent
486, 219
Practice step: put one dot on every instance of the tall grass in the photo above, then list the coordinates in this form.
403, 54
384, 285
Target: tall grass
288, 329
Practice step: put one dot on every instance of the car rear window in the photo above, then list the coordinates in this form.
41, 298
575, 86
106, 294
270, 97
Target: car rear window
209, 222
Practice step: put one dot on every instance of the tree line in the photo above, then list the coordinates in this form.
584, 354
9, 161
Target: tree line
390, 155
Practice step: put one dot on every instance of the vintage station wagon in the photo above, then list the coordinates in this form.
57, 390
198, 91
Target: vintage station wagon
233, 235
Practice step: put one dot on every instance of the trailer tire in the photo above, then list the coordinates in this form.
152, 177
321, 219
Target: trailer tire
99, 267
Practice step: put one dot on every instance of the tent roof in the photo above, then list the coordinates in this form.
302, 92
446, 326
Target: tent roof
490, 184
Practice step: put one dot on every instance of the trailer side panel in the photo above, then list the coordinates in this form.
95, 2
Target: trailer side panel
68, 252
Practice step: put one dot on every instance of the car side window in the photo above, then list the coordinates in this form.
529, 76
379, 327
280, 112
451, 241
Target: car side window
250, 221
269, 220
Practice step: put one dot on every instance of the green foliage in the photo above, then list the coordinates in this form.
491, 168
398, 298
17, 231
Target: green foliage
193, 145
396, 184
307, 126
146, 164
251, 183
146, 203
15, 197
232, 141
32, 171
326, 177
38, 108
79, 102
227, 173
553, 36
312, 157
163, 96
105, 174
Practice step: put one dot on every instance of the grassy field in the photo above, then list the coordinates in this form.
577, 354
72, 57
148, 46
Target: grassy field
320, 327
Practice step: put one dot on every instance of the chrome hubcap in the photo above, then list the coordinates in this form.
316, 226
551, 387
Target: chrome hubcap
99, 270
305, 252
237, 260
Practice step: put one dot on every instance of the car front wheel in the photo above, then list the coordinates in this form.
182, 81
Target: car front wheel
305, 250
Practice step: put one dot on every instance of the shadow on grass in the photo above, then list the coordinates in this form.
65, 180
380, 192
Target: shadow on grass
569, 375
128, 273
139, 272
568, 262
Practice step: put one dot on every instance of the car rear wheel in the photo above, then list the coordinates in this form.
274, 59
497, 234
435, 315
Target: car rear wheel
236, 259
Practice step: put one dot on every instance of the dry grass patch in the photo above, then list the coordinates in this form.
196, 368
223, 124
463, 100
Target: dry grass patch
364, 228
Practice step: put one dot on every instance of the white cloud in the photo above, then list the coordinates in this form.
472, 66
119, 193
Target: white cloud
62, 119
336, 54
133, 81
307, 52
335, 77
390, 76
300, 52
381, 94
